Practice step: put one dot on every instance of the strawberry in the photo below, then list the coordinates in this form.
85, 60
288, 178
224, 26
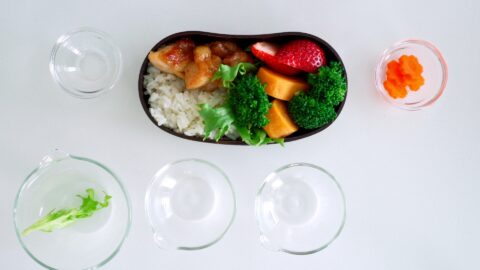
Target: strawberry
302, 54
266, 52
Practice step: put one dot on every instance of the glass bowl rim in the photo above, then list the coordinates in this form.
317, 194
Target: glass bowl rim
73, 90
155, 180
41, 166
335, 182
432, 48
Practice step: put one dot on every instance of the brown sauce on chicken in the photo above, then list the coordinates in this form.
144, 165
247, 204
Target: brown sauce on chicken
197, 64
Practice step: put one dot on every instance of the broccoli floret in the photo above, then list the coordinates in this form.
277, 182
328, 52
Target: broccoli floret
328, 85
316, 107
249, 102
308, 113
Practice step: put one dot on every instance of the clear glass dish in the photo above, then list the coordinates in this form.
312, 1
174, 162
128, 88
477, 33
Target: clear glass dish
86, 243
85, 62
435, 73
190, 205
300, 209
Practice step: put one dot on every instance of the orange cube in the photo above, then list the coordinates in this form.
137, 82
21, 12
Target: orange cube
280, 125
281, 86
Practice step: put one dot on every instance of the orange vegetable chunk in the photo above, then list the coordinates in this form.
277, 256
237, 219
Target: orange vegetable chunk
280, 125
280, 86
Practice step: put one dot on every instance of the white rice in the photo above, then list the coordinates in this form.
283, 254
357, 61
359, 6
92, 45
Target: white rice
175, 107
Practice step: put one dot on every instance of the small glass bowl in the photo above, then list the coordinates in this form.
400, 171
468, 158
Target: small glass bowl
435, 74
300, 209
85, 62
190, 205
87, 243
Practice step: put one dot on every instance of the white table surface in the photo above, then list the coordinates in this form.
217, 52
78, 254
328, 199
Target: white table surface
411, 179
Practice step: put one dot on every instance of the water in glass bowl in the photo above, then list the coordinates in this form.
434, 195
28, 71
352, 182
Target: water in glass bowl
87, 242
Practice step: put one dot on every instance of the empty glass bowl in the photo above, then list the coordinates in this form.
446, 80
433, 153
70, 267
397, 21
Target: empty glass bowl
434, 72
190, 205
300, 209
86, 243
85, 62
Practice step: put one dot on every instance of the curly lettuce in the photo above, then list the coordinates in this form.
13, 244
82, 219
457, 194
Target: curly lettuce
57, 219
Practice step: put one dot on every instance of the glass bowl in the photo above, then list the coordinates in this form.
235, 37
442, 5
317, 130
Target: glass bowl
434, 72
86, 243
300, 209
85, 62
190, 205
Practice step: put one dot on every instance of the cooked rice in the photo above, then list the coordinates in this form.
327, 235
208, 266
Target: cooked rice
175, 107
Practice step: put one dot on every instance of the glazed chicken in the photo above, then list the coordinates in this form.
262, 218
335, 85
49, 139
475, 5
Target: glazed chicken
197, 65
230, 53
223, 48
237, 57
198, 74
173, 58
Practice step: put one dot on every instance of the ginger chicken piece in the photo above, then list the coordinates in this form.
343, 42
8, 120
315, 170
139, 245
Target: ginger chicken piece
211, 86
223, 48
230, 53
199, 73
173, 58
237, 57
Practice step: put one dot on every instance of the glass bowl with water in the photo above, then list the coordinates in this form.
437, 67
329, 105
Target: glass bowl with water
190, 205
86, 243
300, 209
85, 62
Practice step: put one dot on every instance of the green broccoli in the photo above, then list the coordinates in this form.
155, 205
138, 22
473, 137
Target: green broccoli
249, 102
316, 107
308, 113
328, 85
245, 109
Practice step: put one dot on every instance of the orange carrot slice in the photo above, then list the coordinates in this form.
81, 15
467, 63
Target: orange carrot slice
406, 72
395, 91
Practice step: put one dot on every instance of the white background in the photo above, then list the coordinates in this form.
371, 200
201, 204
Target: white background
411, 179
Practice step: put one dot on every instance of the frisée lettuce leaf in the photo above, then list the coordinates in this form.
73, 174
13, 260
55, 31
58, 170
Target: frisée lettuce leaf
228, 74
217, 120
257, 137
57, 219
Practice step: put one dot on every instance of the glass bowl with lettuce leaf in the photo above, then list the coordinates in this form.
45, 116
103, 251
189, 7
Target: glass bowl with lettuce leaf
71, 213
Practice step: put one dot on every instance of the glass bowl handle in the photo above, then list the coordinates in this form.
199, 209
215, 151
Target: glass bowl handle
161, 242
266, 243
55, 155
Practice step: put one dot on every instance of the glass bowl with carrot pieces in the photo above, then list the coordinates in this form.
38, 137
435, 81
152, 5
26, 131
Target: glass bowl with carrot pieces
411, 75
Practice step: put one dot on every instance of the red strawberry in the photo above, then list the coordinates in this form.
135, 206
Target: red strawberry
267, 53
302, 54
